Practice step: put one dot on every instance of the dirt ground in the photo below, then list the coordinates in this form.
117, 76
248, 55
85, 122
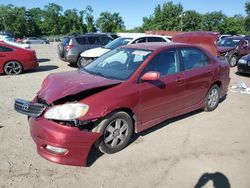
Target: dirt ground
175, 154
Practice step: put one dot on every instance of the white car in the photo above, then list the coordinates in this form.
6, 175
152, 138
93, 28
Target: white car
11, 41
26, 46
90, 55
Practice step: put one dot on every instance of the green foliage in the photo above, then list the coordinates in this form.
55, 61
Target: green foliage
191, 21
212, 21
166, 17
108, 22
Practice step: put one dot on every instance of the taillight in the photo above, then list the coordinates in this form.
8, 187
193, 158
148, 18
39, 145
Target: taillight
69, 47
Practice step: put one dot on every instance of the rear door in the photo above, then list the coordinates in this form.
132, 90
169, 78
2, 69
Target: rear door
198, 73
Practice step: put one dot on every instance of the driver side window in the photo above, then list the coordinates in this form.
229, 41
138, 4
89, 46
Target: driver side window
165, 62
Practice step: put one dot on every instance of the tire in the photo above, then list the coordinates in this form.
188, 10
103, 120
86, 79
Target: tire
212, 98
233, 61
82, 62
117, 129
60, 50
13, 68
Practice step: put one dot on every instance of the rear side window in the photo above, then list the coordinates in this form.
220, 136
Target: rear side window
5, 49
140, 40
155, 39
81, 40
193, 58
94, 40
105, 40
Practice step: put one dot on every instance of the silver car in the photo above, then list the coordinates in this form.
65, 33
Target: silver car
35, 40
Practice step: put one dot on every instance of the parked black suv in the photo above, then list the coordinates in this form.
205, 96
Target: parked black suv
233, 48
72, 46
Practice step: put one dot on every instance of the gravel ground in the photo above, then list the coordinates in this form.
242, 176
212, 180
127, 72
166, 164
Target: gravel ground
176, 153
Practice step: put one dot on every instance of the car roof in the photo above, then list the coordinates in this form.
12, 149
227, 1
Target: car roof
234, 37
156, 45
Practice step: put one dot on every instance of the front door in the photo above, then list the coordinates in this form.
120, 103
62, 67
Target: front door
162, 98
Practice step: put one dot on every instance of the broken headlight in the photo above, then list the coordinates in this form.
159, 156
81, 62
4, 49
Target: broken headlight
67, 112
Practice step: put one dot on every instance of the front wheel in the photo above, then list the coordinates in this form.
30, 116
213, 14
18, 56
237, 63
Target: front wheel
233, 61
117, 129
212, 99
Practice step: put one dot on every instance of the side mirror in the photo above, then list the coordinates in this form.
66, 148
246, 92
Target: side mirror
151, 76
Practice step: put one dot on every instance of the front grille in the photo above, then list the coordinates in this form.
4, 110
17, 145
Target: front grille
29, 108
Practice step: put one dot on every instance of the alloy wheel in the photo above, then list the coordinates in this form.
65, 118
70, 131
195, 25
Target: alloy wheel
116, 133
213, 98
13, 68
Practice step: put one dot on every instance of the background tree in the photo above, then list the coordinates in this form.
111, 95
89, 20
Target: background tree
192, 21
52, 21
108, 22
34, 18
213, 21
90, 19
247, 19
165, 17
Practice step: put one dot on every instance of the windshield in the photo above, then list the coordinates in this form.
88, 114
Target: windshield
119, 63
117, 43
228, 42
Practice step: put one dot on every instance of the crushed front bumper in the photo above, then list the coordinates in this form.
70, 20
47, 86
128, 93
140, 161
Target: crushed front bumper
78, 143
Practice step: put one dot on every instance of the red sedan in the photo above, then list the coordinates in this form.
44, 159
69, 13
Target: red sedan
13, 60
125, 91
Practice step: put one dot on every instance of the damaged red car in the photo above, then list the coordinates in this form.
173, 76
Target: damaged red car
125, 91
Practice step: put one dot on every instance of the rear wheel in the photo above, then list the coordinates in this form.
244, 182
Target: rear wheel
13, 68
60, 50
212, 99
117, 129
233, 61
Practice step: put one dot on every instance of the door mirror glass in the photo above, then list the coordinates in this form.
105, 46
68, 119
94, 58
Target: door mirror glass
150, 76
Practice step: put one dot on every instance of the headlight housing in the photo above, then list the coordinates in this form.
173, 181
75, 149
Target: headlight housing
67, 112
242, 61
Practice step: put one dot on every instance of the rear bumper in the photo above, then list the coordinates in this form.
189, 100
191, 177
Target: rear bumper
78, 143
31, 64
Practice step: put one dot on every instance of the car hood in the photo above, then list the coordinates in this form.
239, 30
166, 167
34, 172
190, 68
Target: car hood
224, 49
59, 85
207, 40
95, 52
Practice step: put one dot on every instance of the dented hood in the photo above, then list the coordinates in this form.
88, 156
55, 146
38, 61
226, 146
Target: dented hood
207, 40
59, 85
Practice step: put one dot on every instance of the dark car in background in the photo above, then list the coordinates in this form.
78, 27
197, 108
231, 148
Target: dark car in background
244, 64
72, 46
233, 48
